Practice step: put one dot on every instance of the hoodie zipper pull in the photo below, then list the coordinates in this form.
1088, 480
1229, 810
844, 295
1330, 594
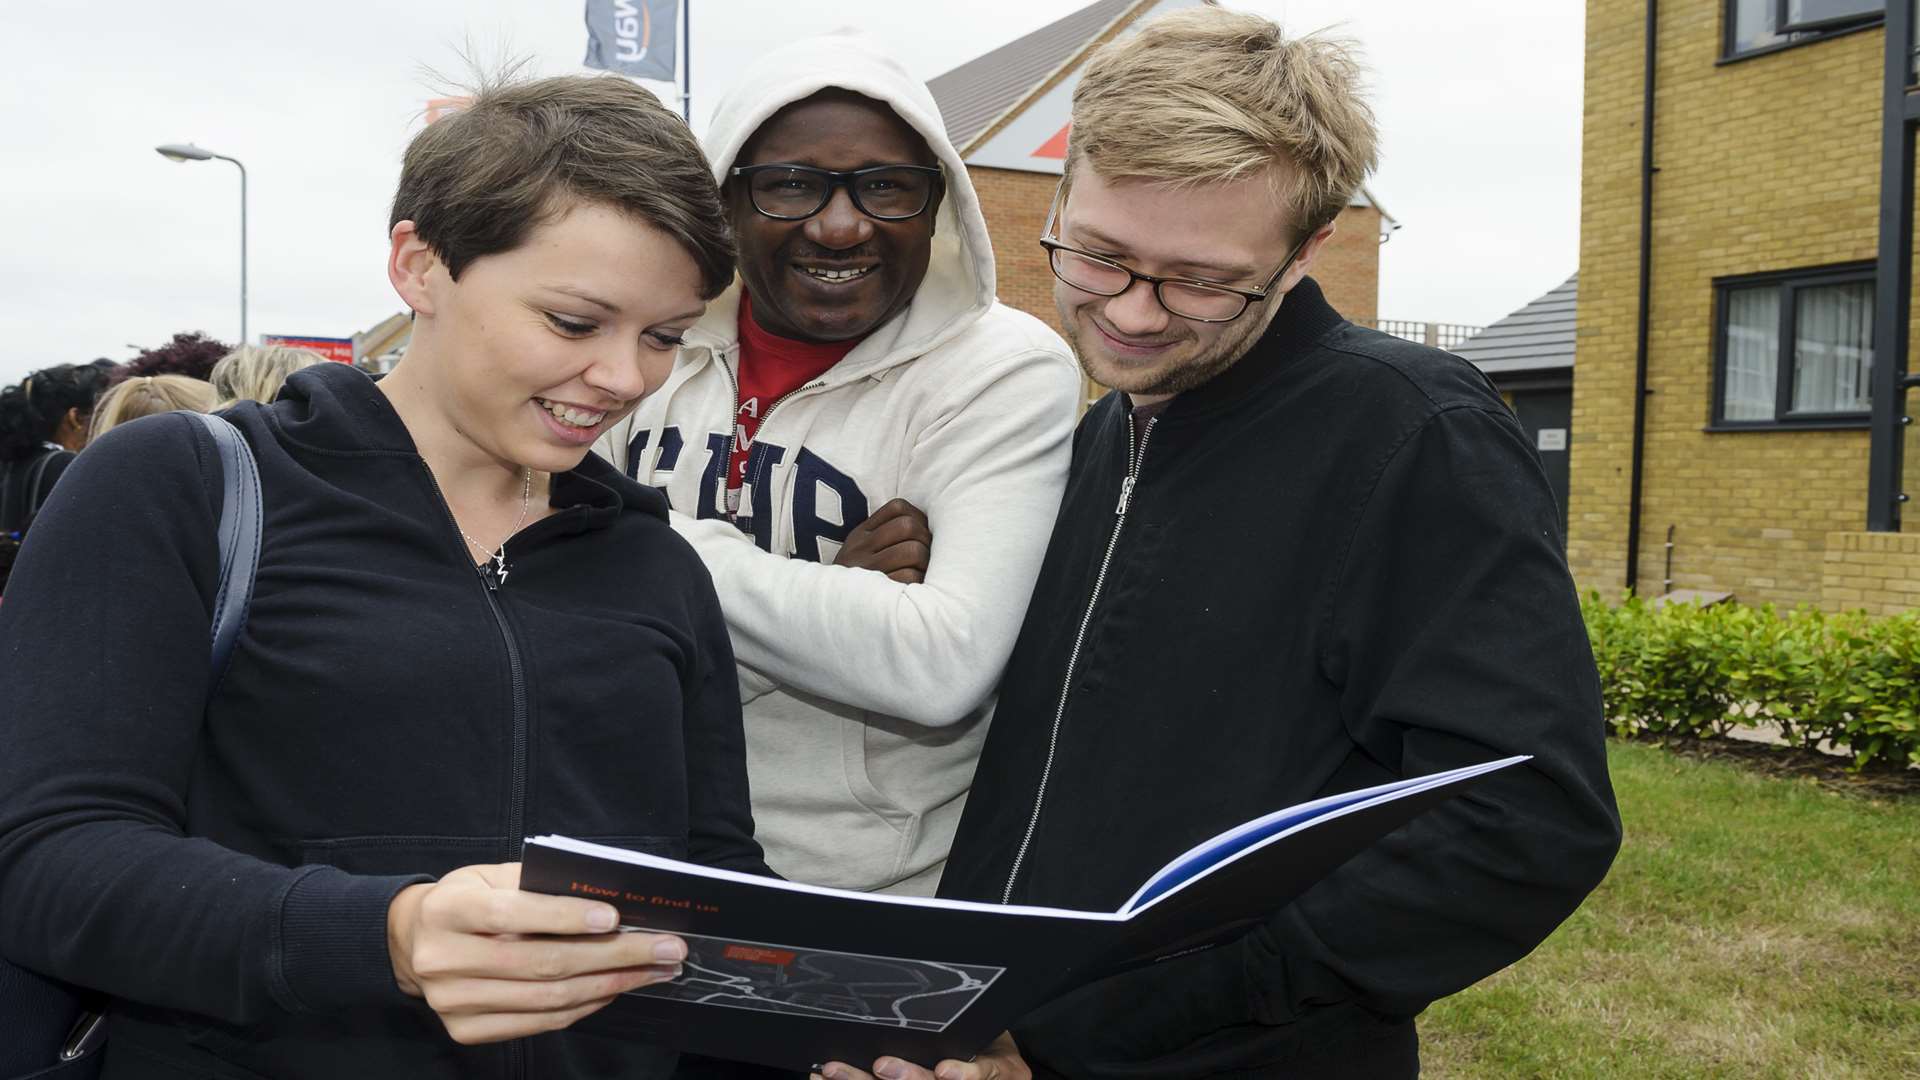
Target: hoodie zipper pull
1126, 494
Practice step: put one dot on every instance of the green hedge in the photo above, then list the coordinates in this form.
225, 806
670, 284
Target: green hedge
1850, 679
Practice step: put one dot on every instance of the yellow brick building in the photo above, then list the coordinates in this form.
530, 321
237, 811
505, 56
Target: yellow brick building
1765, 212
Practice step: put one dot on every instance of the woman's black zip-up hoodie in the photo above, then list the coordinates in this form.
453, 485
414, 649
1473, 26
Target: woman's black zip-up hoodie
1339, 564
222, 865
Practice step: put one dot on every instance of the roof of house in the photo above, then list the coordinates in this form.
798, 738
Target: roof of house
975, 94
1538, 337
383, 337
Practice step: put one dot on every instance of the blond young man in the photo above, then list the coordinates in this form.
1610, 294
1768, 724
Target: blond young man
1295, 557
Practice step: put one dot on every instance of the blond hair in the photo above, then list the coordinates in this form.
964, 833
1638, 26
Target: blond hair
255, 372
145, 395
1208, 96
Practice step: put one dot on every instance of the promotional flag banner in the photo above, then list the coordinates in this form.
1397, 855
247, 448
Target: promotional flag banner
632, 37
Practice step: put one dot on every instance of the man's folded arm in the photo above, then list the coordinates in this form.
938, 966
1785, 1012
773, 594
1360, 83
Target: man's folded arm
988, 473
1458, 649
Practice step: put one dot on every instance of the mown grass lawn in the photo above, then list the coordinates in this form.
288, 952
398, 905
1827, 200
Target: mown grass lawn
1753, 926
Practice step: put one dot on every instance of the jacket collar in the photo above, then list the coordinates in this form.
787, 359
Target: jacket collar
595, 493
337, 409
1305, 318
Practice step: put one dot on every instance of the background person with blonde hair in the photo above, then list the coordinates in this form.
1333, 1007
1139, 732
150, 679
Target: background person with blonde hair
256, 372
146, 395
1296, 557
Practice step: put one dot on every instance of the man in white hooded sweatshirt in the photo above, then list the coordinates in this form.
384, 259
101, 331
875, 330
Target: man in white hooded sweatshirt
858, 373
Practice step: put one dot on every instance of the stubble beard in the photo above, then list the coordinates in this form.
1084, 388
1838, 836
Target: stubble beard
1183, 375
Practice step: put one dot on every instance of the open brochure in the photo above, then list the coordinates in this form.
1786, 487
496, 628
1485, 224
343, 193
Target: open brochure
794, 975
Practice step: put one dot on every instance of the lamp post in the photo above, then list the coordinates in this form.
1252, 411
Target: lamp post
190, 152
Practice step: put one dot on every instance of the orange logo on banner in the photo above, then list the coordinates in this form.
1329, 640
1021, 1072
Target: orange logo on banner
1055, 147
753, 955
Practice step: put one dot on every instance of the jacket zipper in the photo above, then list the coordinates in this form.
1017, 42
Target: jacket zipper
733, 439
733, 435
490, 582
1135, 459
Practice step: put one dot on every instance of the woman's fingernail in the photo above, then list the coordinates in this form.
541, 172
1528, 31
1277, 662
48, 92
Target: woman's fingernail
888, 1069
602, 919
671, 949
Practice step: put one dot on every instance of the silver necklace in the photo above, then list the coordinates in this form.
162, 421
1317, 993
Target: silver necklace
499, 552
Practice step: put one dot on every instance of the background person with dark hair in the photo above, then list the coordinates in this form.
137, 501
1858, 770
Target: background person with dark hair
192, 354
43, 420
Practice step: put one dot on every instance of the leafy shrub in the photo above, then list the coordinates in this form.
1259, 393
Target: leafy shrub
1852, 679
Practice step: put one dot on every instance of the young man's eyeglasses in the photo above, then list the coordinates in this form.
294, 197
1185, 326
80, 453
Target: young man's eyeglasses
797, 192
1199, 301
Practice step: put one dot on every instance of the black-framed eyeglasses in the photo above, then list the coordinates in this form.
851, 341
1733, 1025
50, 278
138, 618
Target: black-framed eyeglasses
796, 192
1199, 301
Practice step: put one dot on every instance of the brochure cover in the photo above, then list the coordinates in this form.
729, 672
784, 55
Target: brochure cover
794, 975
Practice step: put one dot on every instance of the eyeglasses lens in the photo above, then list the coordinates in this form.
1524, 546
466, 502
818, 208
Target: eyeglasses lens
894, 192
1090, 275
787, 192
1198, 302
1106, 279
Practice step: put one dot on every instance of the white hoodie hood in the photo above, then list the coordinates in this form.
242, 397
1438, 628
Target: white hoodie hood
959, 286
866, 698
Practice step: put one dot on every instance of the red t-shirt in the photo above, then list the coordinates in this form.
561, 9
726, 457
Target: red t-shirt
771, 367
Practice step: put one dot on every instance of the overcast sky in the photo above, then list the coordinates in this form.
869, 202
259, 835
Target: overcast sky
104, 245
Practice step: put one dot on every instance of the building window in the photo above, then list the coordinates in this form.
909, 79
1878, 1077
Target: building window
1764, 25
1795, 348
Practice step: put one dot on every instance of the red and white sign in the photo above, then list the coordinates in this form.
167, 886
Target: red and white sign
333, 348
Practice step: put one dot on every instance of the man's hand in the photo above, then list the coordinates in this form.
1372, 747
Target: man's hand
497, 963
999, 1061
895, 541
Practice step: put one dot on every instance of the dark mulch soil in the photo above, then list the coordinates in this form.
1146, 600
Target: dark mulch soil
1878, 780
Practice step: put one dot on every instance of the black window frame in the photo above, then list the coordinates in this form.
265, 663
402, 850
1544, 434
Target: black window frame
1783, 23
1827, 31
1788, 282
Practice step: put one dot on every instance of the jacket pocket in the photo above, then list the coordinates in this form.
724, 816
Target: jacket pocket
855, 759
1169, 1008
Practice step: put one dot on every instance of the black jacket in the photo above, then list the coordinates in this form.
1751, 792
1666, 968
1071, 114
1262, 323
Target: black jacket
386, 716
1340, 565
25, 482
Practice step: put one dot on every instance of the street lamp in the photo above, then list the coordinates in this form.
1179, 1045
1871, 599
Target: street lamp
190, 152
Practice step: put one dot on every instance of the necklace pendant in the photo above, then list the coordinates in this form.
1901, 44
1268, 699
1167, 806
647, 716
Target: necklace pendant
500, 565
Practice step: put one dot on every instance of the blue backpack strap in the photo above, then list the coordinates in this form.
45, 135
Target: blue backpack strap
240, 527
40, 1013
